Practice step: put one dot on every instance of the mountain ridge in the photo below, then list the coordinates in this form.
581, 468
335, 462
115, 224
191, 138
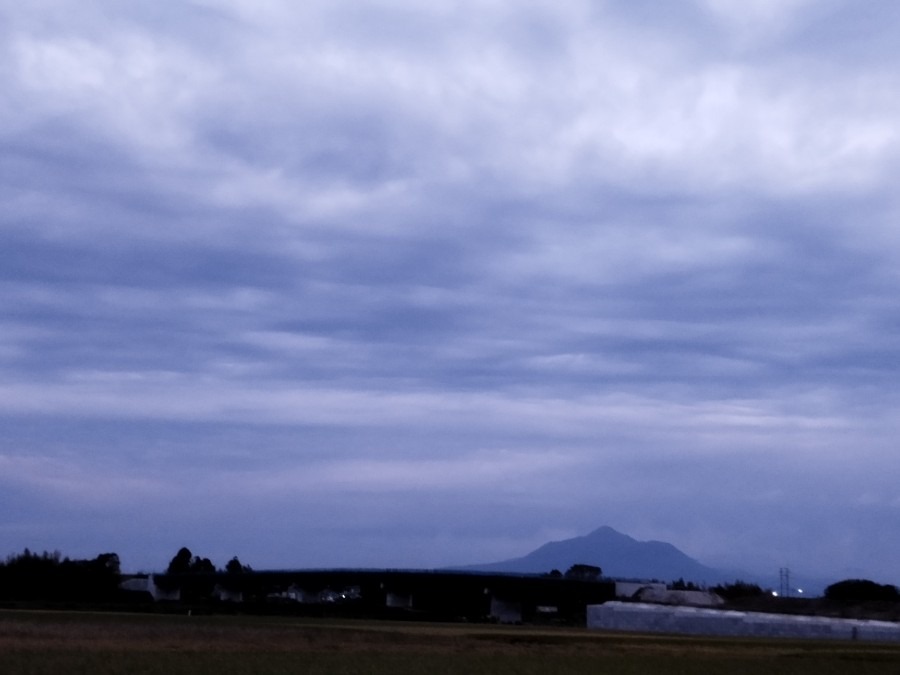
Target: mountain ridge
617, 554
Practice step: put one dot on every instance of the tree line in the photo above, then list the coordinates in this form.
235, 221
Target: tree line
186, 562
51, 577
48, 576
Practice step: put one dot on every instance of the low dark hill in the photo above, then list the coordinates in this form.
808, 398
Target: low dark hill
617, 554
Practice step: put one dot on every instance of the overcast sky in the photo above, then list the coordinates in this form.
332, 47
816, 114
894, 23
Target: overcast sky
409, 284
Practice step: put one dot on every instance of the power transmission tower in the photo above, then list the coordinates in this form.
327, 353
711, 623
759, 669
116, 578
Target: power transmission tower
784, 582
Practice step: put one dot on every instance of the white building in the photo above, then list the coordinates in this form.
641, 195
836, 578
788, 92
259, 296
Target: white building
646, 618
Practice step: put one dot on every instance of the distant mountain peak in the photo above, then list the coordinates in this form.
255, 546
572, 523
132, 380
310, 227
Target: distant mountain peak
606, 529
607, 532
617, 554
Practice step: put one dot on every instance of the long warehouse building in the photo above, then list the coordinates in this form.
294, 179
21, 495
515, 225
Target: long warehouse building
647, 618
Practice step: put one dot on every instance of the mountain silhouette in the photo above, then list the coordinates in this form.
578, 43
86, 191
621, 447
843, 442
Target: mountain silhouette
617, 554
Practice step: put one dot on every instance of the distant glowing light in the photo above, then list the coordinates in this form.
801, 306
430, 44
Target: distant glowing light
775, 593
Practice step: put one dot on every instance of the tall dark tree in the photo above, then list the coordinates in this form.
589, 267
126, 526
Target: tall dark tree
181, 563
234, 566
186, 562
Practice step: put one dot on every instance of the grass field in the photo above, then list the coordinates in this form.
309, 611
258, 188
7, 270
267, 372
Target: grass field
34, 643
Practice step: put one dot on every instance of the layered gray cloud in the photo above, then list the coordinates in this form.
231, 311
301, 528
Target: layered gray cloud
374, 283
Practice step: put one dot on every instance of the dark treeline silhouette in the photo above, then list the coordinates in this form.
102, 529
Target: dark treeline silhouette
50, 577
186, 562
740, 590
858, 591
583, 572
234, 566
194, 583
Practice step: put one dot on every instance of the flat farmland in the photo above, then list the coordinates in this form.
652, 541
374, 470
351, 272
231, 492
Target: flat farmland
33, 643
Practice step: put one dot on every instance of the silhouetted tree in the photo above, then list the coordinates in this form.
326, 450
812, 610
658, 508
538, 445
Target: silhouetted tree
234, 566
739, 589
181, 563
202, 566
853, 591
186, 562
584, 572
